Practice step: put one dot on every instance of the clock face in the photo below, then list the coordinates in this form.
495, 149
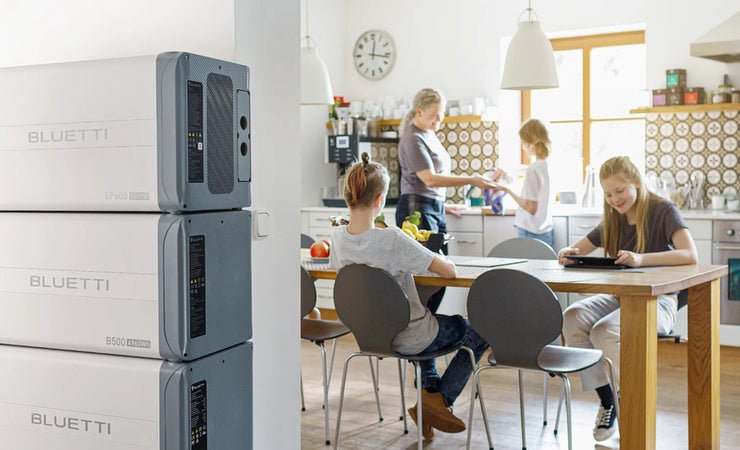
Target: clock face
374, 54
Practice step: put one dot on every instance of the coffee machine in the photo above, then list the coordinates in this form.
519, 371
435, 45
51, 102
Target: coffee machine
345, 150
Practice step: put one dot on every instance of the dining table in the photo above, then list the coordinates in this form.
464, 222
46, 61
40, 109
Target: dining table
637, 290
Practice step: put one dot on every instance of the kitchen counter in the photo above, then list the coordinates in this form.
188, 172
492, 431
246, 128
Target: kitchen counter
564, 210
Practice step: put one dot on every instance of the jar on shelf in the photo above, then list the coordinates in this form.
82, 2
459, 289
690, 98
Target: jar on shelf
723, 94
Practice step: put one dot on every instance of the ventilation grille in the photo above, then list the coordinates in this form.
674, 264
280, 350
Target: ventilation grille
220, 133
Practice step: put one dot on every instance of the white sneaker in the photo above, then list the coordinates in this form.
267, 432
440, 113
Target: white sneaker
605, 423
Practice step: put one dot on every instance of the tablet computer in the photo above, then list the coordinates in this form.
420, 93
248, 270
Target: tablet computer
594, 262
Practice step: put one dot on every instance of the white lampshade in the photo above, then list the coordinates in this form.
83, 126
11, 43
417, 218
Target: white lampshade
315, 84
530, 63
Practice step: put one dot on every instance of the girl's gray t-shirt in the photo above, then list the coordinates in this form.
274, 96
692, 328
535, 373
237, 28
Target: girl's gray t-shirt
664, 219
402, 257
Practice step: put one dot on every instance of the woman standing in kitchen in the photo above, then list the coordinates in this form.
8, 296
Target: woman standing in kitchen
425, 170
533, 217
640, 229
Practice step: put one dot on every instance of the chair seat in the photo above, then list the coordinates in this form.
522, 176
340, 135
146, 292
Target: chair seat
316, 330
560, 359
431, 355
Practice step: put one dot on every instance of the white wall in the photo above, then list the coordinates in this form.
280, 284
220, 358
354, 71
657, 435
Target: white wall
267, 40
456, 46
40, 31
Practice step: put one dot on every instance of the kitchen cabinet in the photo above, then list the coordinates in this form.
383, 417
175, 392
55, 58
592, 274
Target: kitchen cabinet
467, 233
496, 230
701, 231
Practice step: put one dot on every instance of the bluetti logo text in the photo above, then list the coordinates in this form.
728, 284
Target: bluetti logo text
67, 283
68, 135
71, 423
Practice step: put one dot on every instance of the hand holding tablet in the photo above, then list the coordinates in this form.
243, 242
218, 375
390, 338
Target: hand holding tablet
593, 262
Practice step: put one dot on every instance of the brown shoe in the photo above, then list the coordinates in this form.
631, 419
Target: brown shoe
426, 429
438, 414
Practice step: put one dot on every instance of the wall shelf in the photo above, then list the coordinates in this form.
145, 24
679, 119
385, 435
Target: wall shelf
687, 108
448, 119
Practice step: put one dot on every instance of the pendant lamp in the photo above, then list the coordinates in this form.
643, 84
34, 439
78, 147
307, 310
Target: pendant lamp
530, 63
315, 84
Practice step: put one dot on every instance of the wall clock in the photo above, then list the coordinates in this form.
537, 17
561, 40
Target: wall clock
374, 54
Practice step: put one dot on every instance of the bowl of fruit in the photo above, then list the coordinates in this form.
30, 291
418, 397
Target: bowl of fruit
428, 238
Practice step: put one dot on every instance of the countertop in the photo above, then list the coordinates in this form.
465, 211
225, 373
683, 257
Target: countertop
571, 210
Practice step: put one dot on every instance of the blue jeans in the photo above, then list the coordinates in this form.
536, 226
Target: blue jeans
451, 330
547, 237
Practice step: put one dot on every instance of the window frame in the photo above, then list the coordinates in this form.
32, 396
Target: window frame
586, 44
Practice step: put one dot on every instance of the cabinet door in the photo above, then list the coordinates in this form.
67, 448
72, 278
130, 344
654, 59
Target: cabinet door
701, 231
466, 244
497, 229
560, 229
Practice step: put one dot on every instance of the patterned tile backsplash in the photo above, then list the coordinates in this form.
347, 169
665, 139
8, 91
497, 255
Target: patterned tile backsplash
473, 147
682, 143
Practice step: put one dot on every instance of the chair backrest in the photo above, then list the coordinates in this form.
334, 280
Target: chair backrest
372, 304
516, 313
523, 247
306, 241
308, 293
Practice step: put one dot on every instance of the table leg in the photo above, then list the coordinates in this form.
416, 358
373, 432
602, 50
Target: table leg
703, 365
638, 372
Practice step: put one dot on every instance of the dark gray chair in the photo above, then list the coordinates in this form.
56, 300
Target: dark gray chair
318, 331
375, 308
306, 241
523, 247
530, 248
520, 316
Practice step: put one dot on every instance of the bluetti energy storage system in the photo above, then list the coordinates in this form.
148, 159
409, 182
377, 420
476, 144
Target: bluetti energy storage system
169, 132
170, 286
61, 400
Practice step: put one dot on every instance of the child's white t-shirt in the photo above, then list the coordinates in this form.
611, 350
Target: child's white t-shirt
536, 187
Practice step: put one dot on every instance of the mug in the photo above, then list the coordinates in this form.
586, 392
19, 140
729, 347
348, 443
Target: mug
718, 201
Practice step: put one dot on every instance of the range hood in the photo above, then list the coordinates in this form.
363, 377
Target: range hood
722, 43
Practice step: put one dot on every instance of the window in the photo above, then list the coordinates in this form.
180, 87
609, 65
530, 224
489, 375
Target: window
601, 78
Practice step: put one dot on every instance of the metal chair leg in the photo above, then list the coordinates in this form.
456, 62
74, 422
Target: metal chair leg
477, 389
326, 393
566, 389
521, 408
303, 401
419, 409
401, 366
331, 364
375, 388
341, 396
544, 399
557, 415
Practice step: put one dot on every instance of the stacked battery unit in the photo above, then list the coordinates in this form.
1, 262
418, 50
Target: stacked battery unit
125, 270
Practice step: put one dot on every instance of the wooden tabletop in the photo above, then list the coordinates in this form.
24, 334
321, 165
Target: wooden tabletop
647, 281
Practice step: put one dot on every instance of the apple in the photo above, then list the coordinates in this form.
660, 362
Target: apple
328, 244
319, 249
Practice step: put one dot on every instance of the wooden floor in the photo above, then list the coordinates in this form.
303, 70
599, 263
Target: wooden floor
361, 429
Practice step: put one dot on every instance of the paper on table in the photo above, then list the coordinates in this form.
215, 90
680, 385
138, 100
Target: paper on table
491, 262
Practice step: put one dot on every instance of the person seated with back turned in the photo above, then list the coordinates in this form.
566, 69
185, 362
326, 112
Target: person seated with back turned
641, 229
359, 242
